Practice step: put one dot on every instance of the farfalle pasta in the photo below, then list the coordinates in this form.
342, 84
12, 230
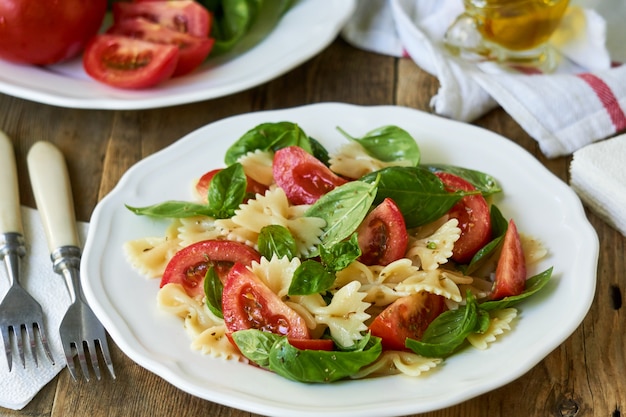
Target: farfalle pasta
391, 267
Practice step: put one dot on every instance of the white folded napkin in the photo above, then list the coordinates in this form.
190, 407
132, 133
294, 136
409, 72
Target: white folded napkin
20, 385
583, 101
598, 175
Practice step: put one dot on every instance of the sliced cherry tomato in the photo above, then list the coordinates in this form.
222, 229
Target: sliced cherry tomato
382, 235
184, 16
511, 268
472, 212
303, 177
202, 186
247, 303
312, 344
189, 265
124, 62
407, 317
193, 50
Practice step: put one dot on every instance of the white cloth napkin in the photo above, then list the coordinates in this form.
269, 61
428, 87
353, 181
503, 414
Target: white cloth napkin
582, 102
20, 385
598, 175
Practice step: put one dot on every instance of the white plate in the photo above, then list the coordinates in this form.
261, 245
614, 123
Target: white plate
541, 204
307, 28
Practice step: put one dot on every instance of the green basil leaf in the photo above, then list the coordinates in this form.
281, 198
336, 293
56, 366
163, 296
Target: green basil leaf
227, 191
389, 144
533, 285
319, 151
498, 228
343, 209
419, 194
310, 277
256, 345
213, 289
448, 331
482, 181
319, 365
340, 255
242, 24
268, 137
172, 210
277, 240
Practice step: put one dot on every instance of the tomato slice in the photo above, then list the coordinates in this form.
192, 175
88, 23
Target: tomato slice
303, 177
472, 212
511, 268
184, 16
193, 50
382, 235
129, 63
407, 317
202, 186
189, 265
247, 303
312, 344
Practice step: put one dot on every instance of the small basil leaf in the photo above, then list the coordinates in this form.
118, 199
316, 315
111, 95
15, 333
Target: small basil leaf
343, 209
340, 255
268, 137
419, 194
173, 210
310, 277
448, 331
319, 365
389, 144
533, 285
482, 181
319, 151
498, 228
213, 289
227, 191
256, 345
276, 240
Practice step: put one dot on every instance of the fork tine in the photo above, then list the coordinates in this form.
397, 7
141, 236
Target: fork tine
7, 347
30, 339
69, 359
93, 354
106, 355
82, 361
43, 338
17, 334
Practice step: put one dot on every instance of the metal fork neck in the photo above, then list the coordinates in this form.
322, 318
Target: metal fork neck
12, 249
66, 262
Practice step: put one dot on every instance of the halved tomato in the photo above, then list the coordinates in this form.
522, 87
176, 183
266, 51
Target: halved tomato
382, 235
202, 186
511, 268
247, 303
407, 317
312, 344
303, 177
193, 50
129, 63
472, 212
184, 16
189, 265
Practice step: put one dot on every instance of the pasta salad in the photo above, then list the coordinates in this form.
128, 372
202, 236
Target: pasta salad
322, 266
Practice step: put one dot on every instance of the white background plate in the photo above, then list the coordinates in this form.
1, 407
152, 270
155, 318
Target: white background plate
307, 28
541, 204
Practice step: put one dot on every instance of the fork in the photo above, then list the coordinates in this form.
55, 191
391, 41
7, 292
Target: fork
80, 330
19, 311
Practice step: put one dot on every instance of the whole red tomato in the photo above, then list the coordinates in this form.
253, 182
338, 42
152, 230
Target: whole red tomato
44, 32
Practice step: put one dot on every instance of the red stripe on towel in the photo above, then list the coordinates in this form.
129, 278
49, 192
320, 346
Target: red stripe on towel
608, 99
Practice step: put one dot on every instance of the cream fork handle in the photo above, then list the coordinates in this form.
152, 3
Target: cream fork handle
53, 194
10, 216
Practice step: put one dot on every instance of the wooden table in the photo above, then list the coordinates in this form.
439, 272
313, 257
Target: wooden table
582, 377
